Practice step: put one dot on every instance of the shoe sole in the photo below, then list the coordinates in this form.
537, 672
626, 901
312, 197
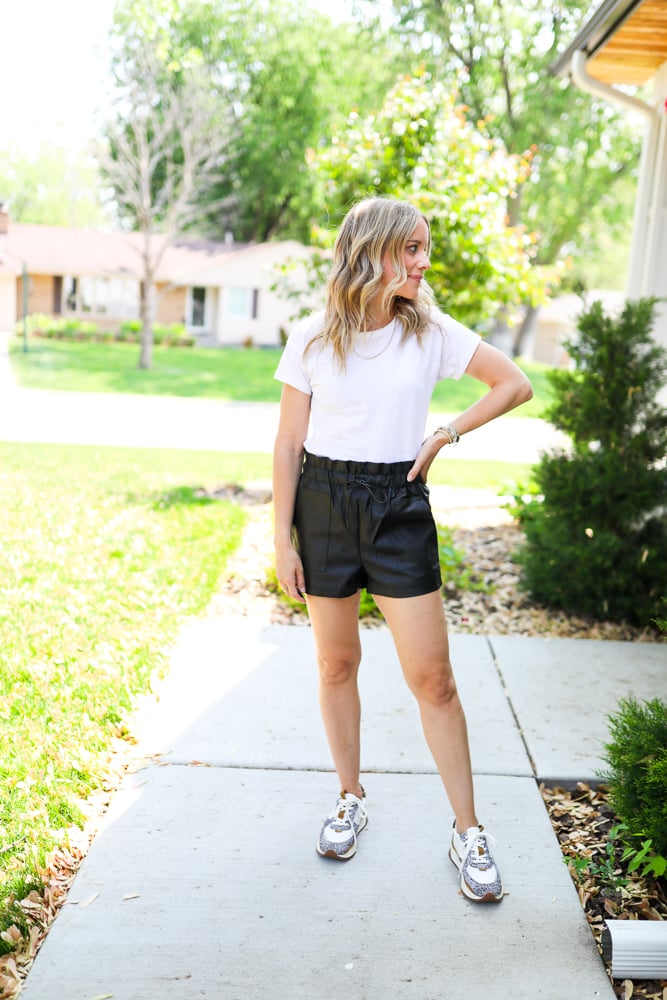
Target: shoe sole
342, 857
488, 897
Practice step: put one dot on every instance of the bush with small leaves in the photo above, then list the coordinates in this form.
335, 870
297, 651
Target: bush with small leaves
636, 758
596, 524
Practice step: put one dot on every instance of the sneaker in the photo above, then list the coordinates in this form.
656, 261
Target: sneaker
480, 878
338, 836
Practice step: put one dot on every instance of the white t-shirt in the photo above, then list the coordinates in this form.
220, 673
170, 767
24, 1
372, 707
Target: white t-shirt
375, 409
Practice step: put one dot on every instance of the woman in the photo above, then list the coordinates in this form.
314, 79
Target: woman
351, 502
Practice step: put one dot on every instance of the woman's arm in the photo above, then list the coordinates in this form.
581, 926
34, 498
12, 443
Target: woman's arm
287, 461
508, 387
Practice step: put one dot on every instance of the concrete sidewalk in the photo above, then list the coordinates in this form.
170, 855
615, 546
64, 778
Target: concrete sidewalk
204, 881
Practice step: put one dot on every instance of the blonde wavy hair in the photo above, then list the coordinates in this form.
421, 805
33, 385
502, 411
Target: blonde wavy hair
374, 229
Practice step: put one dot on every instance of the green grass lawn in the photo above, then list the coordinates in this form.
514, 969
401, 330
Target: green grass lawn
225, 373
104, 554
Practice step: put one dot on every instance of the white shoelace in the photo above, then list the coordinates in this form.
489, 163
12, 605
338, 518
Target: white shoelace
474, 839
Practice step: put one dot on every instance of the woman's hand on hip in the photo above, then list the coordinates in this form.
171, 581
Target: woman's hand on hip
425, 456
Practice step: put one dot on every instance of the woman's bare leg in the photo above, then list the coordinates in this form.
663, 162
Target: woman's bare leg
335, 623
419, 631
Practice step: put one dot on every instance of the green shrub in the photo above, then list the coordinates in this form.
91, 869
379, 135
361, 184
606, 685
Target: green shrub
175, 335
38, 324
167, 334
596, 536
61, 327
129, 330
78, 329
636, 758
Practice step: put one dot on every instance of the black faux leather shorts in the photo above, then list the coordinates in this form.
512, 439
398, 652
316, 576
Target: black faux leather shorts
362, 524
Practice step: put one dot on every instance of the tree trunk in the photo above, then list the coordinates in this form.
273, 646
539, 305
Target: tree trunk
524, 329
500, 335
147, 314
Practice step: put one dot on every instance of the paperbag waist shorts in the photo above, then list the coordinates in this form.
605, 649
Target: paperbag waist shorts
363, 525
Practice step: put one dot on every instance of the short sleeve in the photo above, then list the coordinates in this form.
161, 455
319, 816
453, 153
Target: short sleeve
291, 368
459, 343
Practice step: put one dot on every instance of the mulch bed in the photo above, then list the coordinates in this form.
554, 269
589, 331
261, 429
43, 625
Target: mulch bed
581, 818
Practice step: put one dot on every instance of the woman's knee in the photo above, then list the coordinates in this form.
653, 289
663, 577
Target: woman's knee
338, 667
436, 686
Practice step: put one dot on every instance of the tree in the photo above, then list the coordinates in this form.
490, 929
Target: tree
285, 81
303, 77
52, 188
597, 541
501, 53
420, 146
162, 151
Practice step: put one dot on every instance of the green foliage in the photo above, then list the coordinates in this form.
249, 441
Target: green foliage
596, 543
169, 334
281, 82
105, 553
420, 146
58, 327
662, 622
644, 858
51, 187
581, 147
302, 74
606, 869
620, 863
61, 328
636, 758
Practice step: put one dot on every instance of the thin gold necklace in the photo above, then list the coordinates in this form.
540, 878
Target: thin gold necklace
372, 357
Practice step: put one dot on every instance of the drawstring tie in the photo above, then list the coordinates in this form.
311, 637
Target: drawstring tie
378, 494
382, 496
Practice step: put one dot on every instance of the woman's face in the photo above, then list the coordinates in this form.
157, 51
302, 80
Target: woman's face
416, 260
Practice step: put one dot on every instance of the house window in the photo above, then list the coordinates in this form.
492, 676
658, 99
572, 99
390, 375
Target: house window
86, 295
242, 303
197, 307
123, 298
115, 297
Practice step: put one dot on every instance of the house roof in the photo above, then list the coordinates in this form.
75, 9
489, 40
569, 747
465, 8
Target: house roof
58, 250
625, 41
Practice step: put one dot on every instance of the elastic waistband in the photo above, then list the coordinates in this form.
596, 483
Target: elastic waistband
336, 470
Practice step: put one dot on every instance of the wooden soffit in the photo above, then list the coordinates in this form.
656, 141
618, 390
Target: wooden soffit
626, 42
635, 52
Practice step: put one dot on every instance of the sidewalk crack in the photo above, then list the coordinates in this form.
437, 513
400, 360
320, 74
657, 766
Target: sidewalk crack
511, 707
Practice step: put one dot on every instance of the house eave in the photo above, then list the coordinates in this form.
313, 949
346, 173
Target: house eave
604, 23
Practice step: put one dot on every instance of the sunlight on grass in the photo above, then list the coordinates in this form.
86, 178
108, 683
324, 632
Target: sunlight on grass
105, 552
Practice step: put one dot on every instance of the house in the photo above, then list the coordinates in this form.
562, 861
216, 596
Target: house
221, 291
624, 42
557, 322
